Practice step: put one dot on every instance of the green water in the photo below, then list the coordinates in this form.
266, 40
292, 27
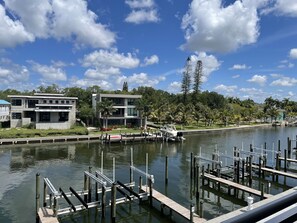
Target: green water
64, 165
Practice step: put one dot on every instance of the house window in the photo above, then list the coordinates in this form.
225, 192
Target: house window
50, 101
132, 112
62, 102
32, 103
67, 102
16, 102
63, 116
131, 101
57, 102
44, 117
44, 101
16, 115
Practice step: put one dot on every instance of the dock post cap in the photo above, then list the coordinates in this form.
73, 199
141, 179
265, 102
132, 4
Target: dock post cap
250, 201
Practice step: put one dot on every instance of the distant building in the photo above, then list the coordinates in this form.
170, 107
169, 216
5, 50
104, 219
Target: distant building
126, 113
44, 111
4, 112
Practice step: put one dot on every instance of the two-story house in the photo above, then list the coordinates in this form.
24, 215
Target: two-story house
126, 113
4, 112
44, 111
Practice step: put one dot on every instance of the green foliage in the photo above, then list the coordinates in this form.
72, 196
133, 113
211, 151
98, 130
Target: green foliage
31, 133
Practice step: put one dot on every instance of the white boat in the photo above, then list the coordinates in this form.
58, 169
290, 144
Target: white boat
170, 133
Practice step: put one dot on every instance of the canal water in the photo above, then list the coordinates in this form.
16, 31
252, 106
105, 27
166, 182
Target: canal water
64, 164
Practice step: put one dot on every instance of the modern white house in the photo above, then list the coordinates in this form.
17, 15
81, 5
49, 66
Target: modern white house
44, 111
126, 113
4, 111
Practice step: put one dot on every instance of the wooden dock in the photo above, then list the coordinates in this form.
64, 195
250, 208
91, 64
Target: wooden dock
288, 160
236, 185
277, 172
172, 205
53, 139
46, 215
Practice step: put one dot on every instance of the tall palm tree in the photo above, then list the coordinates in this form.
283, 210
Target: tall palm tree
105, 107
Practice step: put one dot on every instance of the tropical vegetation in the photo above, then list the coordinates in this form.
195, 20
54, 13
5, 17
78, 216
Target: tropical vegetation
194, 109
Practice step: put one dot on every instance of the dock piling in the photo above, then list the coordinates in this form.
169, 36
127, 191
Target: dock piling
166, 170
37, 196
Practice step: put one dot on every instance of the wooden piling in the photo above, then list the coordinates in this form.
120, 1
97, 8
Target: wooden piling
140, 184
203, 171
250, 171
166, 170
198, 182
44, 193
103, 200
262, 191
90, 186
96, 188
191, 169
242, 170
37, 198
85, 188
191, 212
285, 164
289, 147
151, 191
260, 163
113, 202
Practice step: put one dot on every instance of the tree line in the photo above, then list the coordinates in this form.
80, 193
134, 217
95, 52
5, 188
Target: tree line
195, 108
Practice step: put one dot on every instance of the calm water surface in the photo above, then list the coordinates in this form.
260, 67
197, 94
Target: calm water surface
64, 165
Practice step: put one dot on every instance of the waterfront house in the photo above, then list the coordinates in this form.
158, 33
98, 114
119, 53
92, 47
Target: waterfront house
125, 113
4, 112
43, 111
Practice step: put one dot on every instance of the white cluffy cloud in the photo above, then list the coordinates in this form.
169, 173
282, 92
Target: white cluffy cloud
293, 53
211, 27
49, 73
110, 58
258, 79
12, 74
285, 82
239, 67
143, 11
60, 19
12, 32
282, 8
224, 88
154, 59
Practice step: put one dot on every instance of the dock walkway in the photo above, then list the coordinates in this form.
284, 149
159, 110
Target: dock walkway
46, 215
278, 172
171, 204
236, 185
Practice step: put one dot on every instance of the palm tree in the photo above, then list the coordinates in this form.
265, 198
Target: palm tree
105, 107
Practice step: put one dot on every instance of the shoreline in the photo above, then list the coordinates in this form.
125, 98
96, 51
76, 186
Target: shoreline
97, 137
223, 129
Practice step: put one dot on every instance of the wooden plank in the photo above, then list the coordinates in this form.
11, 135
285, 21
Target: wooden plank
181, 210
236, 185
289, 160
286, 174
46, 215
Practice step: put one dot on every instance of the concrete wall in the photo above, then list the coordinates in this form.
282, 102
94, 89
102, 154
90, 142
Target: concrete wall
49, 125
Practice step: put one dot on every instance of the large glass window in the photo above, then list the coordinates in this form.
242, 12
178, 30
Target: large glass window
32, 103
131, 101
63, 116
132, 112
44, 116
16, 115
16, 102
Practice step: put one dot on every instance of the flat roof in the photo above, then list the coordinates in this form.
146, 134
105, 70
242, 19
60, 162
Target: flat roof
120, 95
42, 97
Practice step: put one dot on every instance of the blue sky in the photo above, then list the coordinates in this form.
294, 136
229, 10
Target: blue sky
248, 48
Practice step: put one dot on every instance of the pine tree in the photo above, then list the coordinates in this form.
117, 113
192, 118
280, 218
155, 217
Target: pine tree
125, 87
197, 77
186, 81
